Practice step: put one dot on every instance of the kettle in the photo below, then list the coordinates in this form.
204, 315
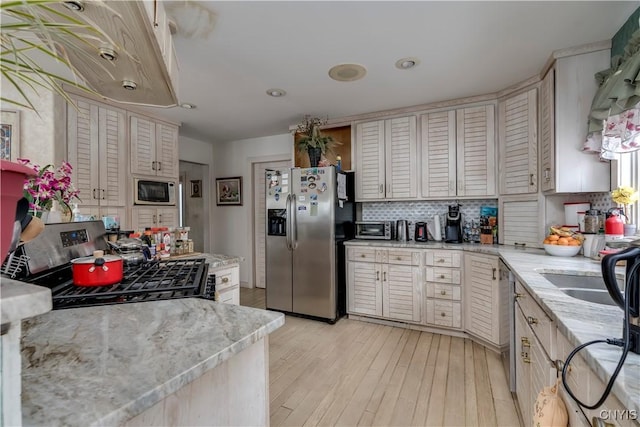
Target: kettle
402, 230
632, 288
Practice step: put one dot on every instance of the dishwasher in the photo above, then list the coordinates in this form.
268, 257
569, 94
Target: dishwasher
507, 280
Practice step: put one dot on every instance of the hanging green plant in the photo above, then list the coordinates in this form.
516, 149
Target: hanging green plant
311, 139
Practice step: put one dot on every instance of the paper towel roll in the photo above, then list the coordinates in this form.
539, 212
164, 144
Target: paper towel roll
437, 235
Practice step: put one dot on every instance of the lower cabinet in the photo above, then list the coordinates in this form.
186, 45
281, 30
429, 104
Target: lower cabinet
443, 293
486, 309
227, 283
384, 283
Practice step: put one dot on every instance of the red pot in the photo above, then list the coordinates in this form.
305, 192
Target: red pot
97, 270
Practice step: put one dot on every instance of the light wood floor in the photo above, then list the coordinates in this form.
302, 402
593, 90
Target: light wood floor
358, 373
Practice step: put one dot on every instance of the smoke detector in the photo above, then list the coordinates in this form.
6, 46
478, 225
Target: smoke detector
347, 72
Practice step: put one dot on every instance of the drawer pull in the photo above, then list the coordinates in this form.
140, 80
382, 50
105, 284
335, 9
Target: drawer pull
560, 365
363, 256
494, 273
443, 314
225, 279
440, 260
443, 292
517, 295
442, 276
531, 320
519, 244
399, 258
526, 359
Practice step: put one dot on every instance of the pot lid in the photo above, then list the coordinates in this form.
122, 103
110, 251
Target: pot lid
92, 259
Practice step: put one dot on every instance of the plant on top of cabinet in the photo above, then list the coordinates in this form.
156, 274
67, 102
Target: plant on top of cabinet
386, 166
311, 140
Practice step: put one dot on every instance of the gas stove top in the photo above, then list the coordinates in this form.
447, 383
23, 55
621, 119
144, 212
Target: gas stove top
45, 261
148, 281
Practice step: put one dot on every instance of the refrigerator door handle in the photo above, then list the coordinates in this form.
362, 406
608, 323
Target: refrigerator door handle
288, 219
294, 223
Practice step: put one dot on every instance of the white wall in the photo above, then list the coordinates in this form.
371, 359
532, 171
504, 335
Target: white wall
196, 151
232, 225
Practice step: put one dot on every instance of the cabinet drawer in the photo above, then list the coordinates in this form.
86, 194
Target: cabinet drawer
443, 275
230, 296
537, 319
227, 278
443, 291
403, 257
443, 258
362, 254
444, 313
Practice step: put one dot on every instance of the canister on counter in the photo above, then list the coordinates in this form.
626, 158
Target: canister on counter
189, 246
591, 222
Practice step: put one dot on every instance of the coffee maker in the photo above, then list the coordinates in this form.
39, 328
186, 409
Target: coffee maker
453, 225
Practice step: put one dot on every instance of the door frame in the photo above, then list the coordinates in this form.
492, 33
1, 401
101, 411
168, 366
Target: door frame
251, 162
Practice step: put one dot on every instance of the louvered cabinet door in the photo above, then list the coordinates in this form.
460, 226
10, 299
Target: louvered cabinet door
400, 292
167, 217
482, 317
517, 123
521, 221
523, 340
475, 133
401, 167
143, 217
113, 147
364, 288
83, 150
370, 161
547, 132
167, 150
143, 145
438, 147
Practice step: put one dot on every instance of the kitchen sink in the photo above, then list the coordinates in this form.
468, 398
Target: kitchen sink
586, 288
591, 295
575, 281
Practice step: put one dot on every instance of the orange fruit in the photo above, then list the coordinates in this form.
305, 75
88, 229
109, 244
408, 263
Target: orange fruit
553, 237
574, 242
553, 242
563, 241
547, 241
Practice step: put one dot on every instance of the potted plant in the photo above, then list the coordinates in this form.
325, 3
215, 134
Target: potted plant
626, 196
312, 141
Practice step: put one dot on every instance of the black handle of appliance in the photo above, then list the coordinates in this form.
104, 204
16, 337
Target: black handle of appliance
609, 272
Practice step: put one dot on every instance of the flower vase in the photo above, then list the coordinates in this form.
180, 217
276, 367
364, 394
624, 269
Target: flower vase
630, 230
314, 156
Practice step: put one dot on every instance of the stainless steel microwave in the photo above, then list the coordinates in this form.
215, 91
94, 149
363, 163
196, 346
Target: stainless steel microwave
154, 192
378, 230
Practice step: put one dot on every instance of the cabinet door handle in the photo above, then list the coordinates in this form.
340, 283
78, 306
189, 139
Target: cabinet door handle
159, 166
494, 273
94, 193
399, 258
443, 314
102, 190
531, 179
384, 276
560, 365
443, 292
225, 279
517, 295
363, 256
531, 320
159, 218
154, 219
153, 165
377, 275
547, 174
442, 276
381, 189
526, 359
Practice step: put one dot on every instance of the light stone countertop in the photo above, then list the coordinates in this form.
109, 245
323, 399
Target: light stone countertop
19, 300
214, 260
578, 320
104, 365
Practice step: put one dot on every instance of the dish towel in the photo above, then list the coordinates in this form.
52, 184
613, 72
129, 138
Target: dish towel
549, 409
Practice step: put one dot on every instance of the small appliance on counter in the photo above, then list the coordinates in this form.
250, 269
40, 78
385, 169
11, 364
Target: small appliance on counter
453, 225
420, 233
375, 230
402, 230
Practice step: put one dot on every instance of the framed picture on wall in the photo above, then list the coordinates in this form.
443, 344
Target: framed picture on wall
196, 188
229, 191
10, 135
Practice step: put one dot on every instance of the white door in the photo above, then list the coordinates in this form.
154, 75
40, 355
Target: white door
259, 225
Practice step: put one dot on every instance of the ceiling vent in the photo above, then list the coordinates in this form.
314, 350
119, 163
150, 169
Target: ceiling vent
347, 72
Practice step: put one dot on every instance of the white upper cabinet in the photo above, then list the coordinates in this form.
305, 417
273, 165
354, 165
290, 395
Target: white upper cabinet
518, 140
386, 164
154, 147
96, 148
458, 152
567, 91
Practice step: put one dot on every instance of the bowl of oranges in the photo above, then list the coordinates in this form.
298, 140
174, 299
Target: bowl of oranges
562, 241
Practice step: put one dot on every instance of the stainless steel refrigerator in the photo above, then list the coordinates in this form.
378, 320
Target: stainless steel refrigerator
310, 213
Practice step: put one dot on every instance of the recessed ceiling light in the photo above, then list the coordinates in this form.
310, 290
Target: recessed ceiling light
129, 84
347, 72
406, 63
77, 5
188, 106
276, 93
108, 53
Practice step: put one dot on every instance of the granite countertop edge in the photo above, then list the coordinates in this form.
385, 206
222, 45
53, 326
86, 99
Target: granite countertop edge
19, 300
579, 321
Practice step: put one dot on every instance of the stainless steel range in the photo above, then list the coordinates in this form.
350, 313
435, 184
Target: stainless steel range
45, 261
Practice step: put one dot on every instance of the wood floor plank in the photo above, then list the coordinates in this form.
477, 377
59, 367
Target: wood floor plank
455, 412
470, 399
435, 415
422, 404
369, 374
486, 410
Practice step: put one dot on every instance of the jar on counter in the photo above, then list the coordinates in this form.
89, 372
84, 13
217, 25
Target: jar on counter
189, 246
591, 222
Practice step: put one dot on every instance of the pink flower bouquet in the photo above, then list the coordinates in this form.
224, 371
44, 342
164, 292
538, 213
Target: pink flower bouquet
48, 185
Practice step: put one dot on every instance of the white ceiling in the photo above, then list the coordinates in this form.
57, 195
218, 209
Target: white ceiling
231, 52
